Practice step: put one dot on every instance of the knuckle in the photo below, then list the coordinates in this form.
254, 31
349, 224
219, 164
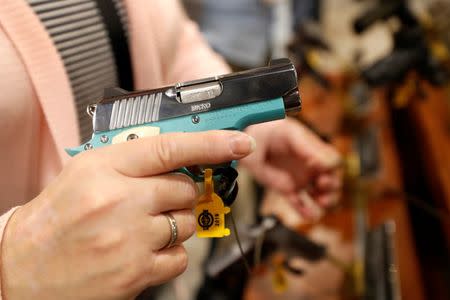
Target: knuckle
109, 241
154, 198
98, 201
188, 187
150, 267
182, 260
95, 204
165, 148
178, 264
214, 144
191, 224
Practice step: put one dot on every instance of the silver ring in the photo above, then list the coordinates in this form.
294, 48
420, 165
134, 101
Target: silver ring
173, 230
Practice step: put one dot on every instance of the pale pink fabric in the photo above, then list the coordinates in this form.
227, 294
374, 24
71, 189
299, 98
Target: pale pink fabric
37, 115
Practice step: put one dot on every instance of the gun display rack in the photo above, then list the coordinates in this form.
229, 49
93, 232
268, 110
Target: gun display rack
415, 75
386, 201
423, 139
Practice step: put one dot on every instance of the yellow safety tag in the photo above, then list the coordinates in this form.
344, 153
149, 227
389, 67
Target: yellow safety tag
210, 211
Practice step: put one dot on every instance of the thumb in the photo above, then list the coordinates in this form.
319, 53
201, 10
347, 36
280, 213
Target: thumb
307, 145
167, 152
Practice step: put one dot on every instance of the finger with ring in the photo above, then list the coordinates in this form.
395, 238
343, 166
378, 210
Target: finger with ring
175, 227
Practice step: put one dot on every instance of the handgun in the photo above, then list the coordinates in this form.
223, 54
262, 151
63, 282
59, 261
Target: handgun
233, 101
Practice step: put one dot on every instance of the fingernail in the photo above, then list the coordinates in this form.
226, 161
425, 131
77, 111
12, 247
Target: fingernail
242, 144
332, 160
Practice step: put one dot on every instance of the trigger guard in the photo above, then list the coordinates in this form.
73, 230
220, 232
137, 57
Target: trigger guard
194, 177
199, 177
229, 199
225, 181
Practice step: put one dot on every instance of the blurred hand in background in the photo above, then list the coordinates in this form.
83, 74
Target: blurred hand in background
293, 161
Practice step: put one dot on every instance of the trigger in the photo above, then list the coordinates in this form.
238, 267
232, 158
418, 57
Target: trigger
229, 198
227, 186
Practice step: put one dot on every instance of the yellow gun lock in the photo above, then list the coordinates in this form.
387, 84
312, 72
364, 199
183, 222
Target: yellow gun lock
210, 211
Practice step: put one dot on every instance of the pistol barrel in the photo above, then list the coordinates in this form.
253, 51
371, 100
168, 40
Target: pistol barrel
292, 103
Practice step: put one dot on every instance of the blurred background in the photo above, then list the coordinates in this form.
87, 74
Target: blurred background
374, 80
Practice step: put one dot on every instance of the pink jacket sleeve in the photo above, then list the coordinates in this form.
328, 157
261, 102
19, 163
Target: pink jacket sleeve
180, 51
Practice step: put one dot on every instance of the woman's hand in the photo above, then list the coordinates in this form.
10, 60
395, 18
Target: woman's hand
98, 231
290, 158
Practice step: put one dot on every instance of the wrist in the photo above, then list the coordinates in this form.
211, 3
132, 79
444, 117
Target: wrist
7, 254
